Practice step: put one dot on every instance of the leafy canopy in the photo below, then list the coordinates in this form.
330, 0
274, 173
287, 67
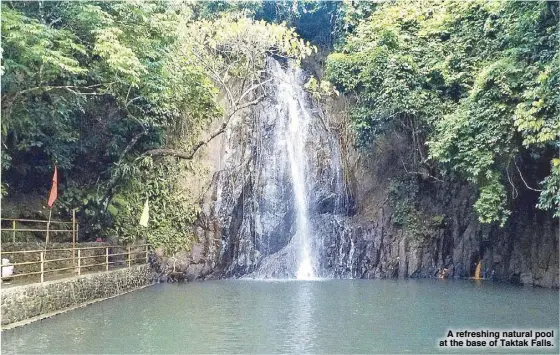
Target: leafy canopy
92, 86
478, 81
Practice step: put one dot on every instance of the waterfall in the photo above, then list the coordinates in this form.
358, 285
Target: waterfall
280, 185
290, 97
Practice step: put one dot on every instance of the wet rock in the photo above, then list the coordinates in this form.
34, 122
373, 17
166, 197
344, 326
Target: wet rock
526, 278
193, 272
196, 253
248, 218
176, 277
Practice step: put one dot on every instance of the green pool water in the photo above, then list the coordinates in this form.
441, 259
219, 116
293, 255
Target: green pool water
328, 316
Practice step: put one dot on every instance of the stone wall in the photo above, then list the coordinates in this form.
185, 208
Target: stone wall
21, 303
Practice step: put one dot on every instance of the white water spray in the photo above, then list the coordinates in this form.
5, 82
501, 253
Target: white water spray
290, 96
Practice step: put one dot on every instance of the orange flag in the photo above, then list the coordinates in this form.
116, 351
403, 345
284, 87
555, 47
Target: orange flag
54, 191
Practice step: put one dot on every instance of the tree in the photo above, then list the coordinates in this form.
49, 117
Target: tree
103, 87
474, 80
232, 50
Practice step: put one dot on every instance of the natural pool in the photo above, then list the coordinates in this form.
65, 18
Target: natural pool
329, 316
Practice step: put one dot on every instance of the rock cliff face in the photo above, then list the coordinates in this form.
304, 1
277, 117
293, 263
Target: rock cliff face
524, 252
253, 197
249, 218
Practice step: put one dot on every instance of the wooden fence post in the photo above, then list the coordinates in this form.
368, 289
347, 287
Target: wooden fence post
79, 262
73, 237
106, 258
42, 266
14, 231
128, 256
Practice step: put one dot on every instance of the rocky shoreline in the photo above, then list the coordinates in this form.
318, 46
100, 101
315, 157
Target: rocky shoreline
248, 217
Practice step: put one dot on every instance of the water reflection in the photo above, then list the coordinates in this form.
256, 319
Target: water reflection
303, 321
334, 316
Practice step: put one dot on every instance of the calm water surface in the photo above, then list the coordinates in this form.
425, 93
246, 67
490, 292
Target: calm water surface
332, 316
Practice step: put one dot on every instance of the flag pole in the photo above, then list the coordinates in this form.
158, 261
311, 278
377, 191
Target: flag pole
48, 226
52, 197
46, 240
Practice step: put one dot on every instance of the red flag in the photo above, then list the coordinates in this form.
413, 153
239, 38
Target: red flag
54, 193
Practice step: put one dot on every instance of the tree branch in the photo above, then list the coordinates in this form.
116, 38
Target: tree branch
514, 193
419, 173
181, 154
525, 182
215, 75
132, 143
249, 90
113, 180
70, 88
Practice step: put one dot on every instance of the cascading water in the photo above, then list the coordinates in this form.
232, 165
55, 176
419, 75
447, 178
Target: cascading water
281, 174
291, 97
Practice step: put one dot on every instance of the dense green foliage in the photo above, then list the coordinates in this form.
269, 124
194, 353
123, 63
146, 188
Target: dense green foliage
99, 87
121, 96
478, 81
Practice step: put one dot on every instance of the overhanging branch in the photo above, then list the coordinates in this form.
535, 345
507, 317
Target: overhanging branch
522, 179
181, 154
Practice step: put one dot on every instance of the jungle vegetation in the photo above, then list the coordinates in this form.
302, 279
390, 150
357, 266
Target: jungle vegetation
473, 84
120, 95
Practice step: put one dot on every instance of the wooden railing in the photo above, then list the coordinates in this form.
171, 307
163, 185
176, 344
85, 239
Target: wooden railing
129, 257
16, 224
